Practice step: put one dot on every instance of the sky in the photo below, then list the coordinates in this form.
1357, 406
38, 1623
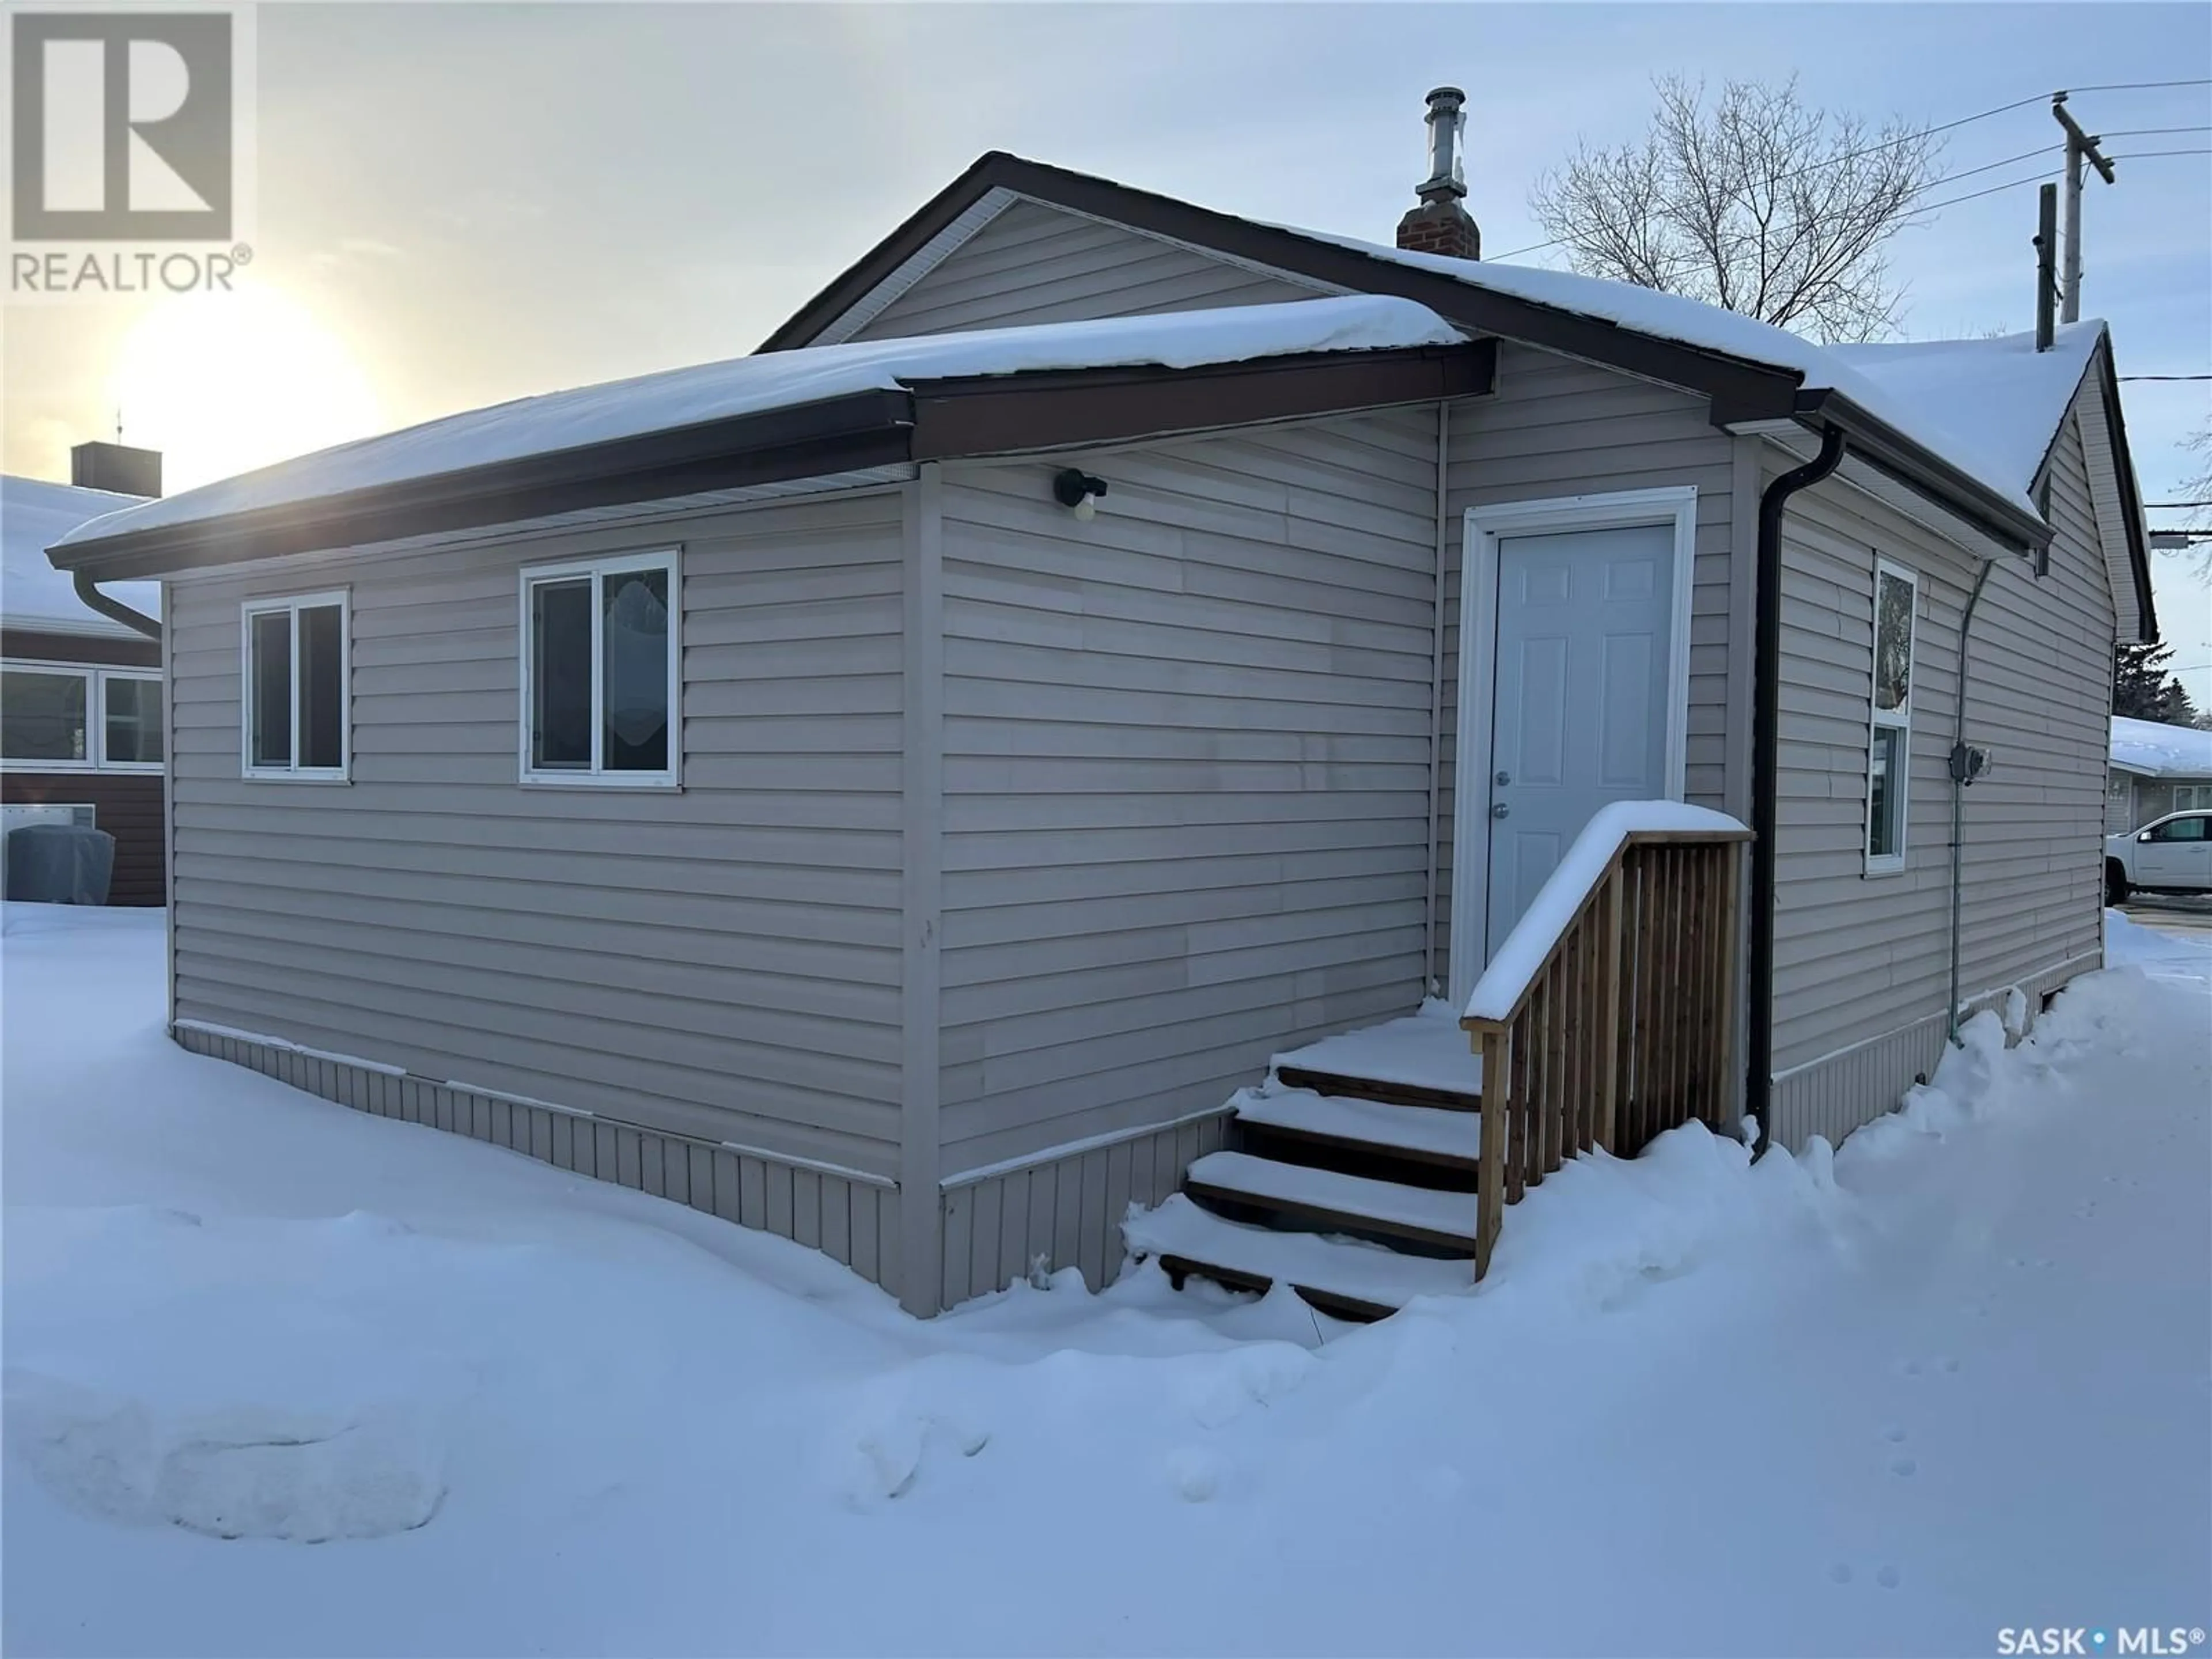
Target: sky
463, 203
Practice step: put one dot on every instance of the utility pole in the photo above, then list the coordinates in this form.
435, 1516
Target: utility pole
2080, 145
2046, 236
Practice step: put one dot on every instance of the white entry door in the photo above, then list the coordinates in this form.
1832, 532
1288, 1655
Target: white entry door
1585, 625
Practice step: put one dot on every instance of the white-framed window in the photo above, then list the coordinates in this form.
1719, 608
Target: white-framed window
296, 715
602, 671
1889, 730
71, 717
2193, 797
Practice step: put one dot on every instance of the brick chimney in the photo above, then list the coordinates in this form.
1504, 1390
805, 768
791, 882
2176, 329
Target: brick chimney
1442, 224
118, 467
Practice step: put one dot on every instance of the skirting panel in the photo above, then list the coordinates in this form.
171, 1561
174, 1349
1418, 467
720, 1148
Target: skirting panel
852, 1221
1832, 1097
1065, 1211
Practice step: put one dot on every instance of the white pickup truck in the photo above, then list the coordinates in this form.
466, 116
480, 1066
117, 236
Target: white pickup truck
2171, 854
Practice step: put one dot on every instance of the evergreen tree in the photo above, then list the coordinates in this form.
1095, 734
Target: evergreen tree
2144, 688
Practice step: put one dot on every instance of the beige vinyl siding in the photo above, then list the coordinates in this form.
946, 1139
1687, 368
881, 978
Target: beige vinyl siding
852, 1221
1186, 766
1861, 958
721, 963
1558, 426
1065, 1211
1033, 264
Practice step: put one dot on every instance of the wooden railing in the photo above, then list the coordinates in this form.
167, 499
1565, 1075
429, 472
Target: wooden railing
1608, 1016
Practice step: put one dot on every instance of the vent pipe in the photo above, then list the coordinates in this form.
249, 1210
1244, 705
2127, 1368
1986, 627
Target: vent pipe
1442, 224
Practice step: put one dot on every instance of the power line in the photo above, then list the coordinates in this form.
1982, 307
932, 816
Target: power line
2145, 132
2166, 377
2174, 506
2152, 154
2141, 85
1946, 127
1853, 155
1976, 195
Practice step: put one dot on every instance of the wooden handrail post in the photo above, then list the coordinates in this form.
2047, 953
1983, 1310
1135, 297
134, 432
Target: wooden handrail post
1609, 1058
1490, 1177
1731, 924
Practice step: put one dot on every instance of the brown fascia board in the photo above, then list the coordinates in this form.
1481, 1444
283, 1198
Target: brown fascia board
1740, 390
863, 429
28, 642
1880, 445
2131, 495
934, 420
1009, 414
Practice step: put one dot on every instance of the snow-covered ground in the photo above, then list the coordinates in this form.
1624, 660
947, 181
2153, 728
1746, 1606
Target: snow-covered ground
1955, 1379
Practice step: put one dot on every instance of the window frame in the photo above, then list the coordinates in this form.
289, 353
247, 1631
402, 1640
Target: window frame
1898, 719
293, 605
96, 678
668, 560
2200, 797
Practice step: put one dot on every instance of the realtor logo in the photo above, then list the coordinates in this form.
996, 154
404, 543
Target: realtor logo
123, 126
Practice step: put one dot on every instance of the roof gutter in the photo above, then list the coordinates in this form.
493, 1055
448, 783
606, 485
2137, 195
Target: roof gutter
1875, 442
113, 609
860, 429
1765, 773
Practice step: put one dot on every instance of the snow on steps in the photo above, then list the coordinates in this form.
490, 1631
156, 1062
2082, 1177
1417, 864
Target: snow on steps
1422, 1058
1440, 1220
1420, 1131
1340, 1275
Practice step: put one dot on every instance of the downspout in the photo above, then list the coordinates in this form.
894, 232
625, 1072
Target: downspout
1430, 985
114, 610
1961, 774
1765, 774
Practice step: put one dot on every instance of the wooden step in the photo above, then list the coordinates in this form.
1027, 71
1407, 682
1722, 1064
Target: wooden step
1423, 1060
1450, 1139
1324, 1199
1341, 1085
1341, 1277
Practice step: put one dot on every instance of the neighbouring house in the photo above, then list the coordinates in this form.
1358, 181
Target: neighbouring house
81, 721
894, 789
2156, 769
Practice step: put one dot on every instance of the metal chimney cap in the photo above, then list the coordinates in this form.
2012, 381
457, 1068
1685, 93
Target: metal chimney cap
1452, 93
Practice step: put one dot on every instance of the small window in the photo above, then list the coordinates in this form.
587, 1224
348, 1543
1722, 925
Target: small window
1889, 745
296, 684
601, 662
2188, 797
43, 716
68, 718
130, 713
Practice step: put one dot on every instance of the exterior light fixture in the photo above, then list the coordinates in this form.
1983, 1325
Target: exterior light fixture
1075, 490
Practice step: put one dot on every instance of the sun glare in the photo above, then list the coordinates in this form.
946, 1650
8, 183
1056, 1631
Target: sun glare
224, 383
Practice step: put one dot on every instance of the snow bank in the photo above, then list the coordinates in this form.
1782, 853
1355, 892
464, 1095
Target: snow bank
34, 515
290, 1416
561, 421
2157, 751
1517, 962
1897, 1374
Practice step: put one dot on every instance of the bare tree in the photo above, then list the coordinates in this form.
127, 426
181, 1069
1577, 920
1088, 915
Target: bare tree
1758, 203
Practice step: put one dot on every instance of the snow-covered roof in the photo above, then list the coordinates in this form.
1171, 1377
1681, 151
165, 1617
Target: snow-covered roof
2160, 751
561, 421
33, 516
1975, 431
2009, 396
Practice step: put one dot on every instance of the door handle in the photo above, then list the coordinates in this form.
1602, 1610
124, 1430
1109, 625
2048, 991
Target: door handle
1503, 777
1501, 810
